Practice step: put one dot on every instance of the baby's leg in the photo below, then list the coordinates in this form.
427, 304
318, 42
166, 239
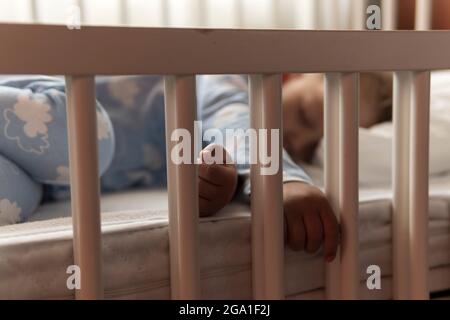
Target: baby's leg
19, 194
33, 126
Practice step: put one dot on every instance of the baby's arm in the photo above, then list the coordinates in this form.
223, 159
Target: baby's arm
310, 222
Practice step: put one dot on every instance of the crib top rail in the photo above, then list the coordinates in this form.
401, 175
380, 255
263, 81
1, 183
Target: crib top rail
52, 49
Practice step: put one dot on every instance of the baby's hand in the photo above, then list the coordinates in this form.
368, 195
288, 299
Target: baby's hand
310, 221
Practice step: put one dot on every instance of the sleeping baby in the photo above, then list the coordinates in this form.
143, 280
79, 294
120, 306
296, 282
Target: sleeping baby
303, 124
131, 139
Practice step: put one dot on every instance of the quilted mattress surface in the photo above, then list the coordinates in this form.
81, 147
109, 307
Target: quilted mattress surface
34, 256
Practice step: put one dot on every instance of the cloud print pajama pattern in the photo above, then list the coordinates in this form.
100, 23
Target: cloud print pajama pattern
131, 135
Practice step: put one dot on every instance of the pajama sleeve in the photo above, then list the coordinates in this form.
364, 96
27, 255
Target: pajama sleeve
223, 103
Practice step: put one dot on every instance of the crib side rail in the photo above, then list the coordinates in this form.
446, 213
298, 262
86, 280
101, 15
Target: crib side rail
44, 49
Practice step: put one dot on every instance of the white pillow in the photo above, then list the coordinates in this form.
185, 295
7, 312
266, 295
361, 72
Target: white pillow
375, 144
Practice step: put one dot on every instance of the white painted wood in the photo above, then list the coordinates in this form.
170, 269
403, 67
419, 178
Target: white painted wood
331, 172
401, 182
348, 188
266, 194
279, 51
257, 206
419, 185
272, 189
182, 185
424, 12
85, 185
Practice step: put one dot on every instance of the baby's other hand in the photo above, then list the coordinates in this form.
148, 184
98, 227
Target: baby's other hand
310, 221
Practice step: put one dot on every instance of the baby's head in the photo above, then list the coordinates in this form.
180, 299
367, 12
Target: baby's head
303, 110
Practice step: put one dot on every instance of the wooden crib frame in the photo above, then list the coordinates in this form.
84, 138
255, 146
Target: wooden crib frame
180, 54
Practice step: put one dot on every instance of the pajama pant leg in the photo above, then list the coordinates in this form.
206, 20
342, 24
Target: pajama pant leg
33, 132
135, 105
19, 194
223, 104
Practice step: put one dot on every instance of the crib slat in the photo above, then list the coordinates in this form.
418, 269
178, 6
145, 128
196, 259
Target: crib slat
258, 286
266, 193
180, 102
85, 187
272, 190
331, 168
419, 157
400, 178
257, 207
389, 14
348, 198
424, 11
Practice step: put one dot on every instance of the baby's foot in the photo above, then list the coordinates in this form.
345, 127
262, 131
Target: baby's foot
217, 180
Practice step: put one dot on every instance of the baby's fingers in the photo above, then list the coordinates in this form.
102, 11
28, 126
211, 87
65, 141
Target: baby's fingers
296, 234
314, 231
331, 232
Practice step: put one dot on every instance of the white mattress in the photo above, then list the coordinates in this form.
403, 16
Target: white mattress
34, 255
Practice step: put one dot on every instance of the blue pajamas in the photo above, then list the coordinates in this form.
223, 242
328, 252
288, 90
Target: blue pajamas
131, 135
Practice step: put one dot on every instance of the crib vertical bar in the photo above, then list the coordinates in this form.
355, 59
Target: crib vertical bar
348, 193
180, 102
85, 186
266, 194
389, 14
424, 11
331, 168
400, 206
272, 188
257, 207
419, 170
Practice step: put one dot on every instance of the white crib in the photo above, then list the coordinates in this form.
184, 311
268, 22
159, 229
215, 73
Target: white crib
265, 55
